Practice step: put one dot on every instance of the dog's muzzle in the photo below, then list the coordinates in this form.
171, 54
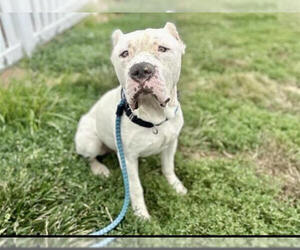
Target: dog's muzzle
145, 79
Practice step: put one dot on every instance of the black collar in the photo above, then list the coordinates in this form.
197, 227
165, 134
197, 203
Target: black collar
125, 107
139, 121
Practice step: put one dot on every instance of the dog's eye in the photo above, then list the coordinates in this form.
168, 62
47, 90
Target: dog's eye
162, 49
124, 54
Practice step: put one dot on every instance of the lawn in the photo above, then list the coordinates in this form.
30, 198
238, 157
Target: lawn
238, 153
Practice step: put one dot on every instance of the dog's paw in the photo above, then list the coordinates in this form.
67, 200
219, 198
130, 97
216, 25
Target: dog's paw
99, 169
179, 188
142, 213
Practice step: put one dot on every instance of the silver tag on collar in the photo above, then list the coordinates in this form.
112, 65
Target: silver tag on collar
155, 130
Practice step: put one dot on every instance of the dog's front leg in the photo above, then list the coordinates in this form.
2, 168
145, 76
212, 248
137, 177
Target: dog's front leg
136, 189
167, 161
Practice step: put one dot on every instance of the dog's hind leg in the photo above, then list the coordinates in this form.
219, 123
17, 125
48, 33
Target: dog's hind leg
89, 145
99, 168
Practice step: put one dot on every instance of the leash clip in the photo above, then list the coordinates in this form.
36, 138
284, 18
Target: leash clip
131, 116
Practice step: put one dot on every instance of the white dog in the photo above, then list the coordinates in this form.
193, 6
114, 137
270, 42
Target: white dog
147, 64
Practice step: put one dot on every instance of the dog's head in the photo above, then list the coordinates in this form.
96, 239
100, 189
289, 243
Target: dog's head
148, 62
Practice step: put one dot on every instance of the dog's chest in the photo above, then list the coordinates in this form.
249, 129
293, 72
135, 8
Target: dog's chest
158, 140
149, 141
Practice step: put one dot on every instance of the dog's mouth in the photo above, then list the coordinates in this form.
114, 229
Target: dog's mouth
134, 103
153, 86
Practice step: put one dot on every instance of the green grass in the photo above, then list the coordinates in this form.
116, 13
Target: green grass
238, 154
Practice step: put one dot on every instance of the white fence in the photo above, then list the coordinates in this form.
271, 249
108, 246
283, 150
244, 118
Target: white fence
26, 23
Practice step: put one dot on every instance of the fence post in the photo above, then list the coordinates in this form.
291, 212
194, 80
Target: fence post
21, 11
24, 27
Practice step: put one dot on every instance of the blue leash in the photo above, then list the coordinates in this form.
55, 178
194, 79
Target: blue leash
122, 162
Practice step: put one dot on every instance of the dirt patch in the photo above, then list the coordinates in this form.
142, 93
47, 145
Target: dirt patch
292, 88
233, 62
100, 18
204, 154
62, 78
255, 87
252, 86
273, 158
10, 74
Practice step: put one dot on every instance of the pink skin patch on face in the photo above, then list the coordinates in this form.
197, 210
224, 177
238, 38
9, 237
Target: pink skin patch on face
154, 86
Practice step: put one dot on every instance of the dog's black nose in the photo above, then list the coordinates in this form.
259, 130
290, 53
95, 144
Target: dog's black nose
141, 71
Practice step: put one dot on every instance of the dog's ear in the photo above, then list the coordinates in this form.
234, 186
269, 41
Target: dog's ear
116, 36
171, 28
